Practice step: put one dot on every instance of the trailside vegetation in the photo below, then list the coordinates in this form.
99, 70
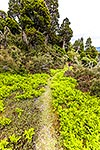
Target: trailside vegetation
18, 113
78, 114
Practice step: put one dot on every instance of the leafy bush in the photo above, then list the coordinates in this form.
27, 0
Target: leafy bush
14, 139
44, 58
19, 111
4, 144
10, 59
88, 79
26, 87
1, 106
88, 62
18, 93
95, 87
78, 114
29, 134
4, 121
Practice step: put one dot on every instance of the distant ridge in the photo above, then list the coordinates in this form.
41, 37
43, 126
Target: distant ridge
98, 49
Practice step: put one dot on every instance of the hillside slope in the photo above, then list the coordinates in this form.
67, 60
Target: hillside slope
45, 112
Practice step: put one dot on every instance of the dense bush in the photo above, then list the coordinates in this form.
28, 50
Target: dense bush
88, 79
18, 113
11, 59
95, 87
78, 114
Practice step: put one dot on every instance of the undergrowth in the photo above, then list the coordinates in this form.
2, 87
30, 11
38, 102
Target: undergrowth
18, 113
78, 114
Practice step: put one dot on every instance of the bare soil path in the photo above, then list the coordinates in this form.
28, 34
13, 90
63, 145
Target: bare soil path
47, 139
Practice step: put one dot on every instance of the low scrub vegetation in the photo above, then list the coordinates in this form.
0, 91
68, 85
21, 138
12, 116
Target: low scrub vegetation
78, 114
88, 79
18, 114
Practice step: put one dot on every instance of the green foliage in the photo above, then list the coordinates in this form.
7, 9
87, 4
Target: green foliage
12, 25
59, 50
29, 134
3, 14
4, 121
88, 43
14, 89
26, 87
2, 20
91, 52
95, 87
14, 9
34, 35
79, 46
78, 114
88, 62
54, 21
14, 139
85, 60
54, 14
19, 111
4, 144
30, 14
2, 24
65, 33
1, 106
73, 56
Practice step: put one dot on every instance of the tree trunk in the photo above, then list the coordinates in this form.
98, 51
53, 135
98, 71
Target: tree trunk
63, 44
24, 37
46, 39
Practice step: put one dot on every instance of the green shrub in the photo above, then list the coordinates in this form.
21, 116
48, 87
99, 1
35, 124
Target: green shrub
4, 121
19, 111
78, 114
4, 144
14, 139
29, 134
95, 87
1, 106
26, 87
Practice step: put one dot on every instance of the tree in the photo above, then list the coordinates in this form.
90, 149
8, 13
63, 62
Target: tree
4, 37
2, 20
90, 50
54, 21
65, 33
79, 45
3, 14
31, 14
14, 9
13, 25
54, 14
88, 43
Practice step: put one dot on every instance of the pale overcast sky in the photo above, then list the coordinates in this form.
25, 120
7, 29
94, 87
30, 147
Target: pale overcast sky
83, 15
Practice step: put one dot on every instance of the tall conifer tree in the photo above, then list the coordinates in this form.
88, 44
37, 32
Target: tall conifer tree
65, 34
54, 15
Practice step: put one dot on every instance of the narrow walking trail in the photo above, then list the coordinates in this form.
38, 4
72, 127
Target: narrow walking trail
47, 139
